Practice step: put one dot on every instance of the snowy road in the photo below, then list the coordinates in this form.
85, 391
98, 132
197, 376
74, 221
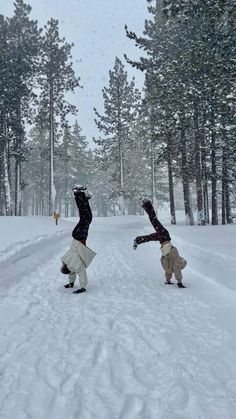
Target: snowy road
129, 348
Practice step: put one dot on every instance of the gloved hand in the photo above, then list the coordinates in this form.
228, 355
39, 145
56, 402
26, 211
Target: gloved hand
135, 245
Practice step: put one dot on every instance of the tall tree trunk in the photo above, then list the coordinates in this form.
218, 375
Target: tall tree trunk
204, 168
7, 186
223, 183
18, 158
171, 185
6, 192
121, 162
42, 169
198, 167
185, 179
2, 168
227, 192
52, 190
214, 216
152, 162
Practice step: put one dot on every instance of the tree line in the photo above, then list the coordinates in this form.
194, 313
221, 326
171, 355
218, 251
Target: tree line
173, 141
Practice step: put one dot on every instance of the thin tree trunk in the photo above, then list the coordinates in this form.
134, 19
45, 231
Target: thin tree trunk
185, 179
2, 191
227, 194
204, 169
121, 197
51, 153
153, 168
171, 185
18, 157
214, 217
198, 167
7, 186
223, 188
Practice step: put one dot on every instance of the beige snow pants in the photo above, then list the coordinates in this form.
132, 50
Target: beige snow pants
82, 274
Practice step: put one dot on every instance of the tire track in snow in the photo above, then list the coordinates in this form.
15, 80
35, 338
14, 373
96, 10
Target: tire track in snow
23, 261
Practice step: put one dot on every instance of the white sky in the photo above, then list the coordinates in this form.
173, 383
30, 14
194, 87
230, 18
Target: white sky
96, 27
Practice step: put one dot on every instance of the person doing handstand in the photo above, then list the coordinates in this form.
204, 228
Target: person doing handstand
79, 256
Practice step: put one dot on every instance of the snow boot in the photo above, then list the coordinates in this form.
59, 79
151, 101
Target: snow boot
169, 283
79, 189
70, 285
180, 285
79, 291
144, 201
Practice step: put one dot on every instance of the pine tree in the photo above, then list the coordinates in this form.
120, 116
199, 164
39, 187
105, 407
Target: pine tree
19, 51
190, 67
56, 78
121, 100
35, 169
165, 78
5, 194
72, 166
23, 38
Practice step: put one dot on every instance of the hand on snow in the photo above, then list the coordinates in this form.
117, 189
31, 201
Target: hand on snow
135, 245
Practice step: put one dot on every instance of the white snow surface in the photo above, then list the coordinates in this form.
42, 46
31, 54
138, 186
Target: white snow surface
128, 348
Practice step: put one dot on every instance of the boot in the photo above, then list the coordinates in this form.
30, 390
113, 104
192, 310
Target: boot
180, 285
79, 189
169, 283
79, 291
70, 285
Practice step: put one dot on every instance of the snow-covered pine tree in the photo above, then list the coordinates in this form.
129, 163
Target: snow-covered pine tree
188, 45
21, 55
5, 195
56, 78
35, 168
73, 167
121, 101
165, 94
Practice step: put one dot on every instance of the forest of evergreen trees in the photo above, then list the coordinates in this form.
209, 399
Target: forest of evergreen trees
174, 141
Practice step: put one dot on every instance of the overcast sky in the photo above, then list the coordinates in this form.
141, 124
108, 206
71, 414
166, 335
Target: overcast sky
96, 27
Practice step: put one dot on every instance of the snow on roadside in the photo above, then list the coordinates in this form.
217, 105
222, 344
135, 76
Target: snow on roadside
129, 348
19, 232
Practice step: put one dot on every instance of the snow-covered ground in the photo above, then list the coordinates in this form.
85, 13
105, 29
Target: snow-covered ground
129, 348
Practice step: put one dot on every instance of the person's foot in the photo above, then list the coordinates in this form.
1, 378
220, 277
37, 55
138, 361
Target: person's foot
180, 285
79, 189
169, 283
144, 200
79, 192
79, 291
70, 285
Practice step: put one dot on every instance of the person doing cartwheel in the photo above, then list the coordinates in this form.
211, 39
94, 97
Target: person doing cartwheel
171, 261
